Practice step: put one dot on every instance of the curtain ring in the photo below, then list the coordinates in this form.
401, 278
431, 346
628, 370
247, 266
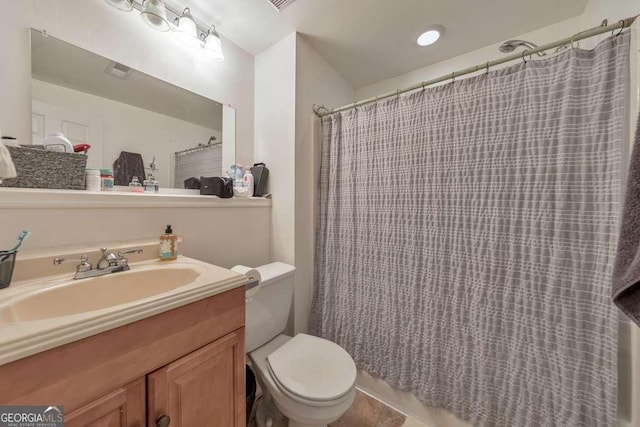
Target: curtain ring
572, 41
423, 85
453, 77
487, 72
523, 54
397, 93
621, 28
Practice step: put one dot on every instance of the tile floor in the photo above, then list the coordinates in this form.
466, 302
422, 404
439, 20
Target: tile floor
369, 412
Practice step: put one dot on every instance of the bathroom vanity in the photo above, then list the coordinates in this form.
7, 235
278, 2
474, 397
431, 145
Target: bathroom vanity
175, 358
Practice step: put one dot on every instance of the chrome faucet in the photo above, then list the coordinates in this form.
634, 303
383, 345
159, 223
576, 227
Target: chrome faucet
107, 264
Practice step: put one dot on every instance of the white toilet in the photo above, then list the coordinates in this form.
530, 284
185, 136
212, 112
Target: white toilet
310, 380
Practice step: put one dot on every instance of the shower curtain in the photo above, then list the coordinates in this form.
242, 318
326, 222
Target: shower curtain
466, 235
196, 163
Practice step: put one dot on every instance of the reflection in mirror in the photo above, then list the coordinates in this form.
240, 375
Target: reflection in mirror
135, 124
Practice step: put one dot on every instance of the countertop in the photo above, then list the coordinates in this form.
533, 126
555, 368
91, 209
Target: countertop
25, 338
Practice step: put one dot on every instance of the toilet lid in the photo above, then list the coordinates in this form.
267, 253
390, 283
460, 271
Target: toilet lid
313, 368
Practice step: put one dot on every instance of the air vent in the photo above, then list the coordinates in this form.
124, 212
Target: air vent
118, 70
281, 4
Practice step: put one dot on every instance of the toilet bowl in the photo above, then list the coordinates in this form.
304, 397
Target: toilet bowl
308, 379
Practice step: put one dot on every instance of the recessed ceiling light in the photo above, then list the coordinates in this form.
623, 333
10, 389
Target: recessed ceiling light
431, 35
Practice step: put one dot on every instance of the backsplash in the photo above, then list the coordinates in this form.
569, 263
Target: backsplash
224, 236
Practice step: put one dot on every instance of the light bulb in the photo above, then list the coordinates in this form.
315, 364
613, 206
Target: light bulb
187, 31
125, 5
154, 13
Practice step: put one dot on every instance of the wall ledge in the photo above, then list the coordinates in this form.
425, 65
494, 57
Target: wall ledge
28, 198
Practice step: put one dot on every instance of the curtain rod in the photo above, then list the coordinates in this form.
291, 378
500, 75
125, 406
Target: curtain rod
198, 148
621, 25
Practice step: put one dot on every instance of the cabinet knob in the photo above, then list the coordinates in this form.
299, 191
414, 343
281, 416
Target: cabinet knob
163, 421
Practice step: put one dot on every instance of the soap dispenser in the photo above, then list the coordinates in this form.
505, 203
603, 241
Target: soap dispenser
168, 245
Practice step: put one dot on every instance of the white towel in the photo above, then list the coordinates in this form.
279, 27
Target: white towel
7, 168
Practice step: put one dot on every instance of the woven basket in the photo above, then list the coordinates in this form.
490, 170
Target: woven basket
38, 168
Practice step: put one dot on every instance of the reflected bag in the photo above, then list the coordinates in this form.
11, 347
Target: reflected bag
216, 186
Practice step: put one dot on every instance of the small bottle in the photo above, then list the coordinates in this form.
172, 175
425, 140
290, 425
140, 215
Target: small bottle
135, 185
148, 184
151, 185
236, 175
168, 245
92, 180
106, 178
247, 181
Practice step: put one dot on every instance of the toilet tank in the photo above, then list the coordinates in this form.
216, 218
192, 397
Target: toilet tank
267, 312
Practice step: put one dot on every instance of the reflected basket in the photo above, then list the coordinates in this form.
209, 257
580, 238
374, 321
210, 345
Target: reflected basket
39, 168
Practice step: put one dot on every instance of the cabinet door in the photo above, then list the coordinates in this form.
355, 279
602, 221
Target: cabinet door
124, 407
203, 389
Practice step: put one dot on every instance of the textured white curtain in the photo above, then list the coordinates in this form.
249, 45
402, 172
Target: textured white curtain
197, 162
466, 235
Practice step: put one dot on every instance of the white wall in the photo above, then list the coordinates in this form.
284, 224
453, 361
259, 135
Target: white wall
290, 78
98, 27
219, 235
275, 88
316, 83
122, 127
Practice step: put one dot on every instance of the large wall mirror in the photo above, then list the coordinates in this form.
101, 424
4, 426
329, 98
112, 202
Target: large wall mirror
135, 124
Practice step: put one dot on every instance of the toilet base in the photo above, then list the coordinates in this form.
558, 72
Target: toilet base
295, 424
268, 415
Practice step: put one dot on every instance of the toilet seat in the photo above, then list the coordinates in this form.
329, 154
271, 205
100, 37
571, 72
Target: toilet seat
300, 411
312, 370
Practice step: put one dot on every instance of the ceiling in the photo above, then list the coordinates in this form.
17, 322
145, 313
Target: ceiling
372, 40
84, 71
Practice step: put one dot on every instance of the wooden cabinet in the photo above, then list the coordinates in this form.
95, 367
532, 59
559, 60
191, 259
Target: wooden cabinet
186, 363
124, 407
205, 388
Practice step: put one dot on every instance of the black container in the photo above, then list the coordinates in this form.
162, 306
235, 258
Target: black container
260, 176
251, 390
216, 186
7, 262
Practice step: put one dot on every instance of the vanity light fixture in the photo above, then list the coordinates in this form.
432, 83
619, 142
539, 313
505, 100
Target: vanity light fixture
213, 44
126, 5
431, 35
164, 18
187, 31
154, 13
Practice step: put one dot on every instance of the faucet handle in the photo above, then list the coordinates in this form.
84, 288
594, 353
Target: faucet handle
84, 265
122, 260
121, 254
59, 261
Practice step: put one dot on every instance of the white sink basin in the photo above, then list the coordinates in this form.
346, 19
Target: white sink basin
51, 310
81, 296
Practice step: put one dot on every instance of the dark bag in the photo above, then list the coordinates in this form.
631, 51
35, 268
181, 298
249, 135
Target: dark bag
216, 186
